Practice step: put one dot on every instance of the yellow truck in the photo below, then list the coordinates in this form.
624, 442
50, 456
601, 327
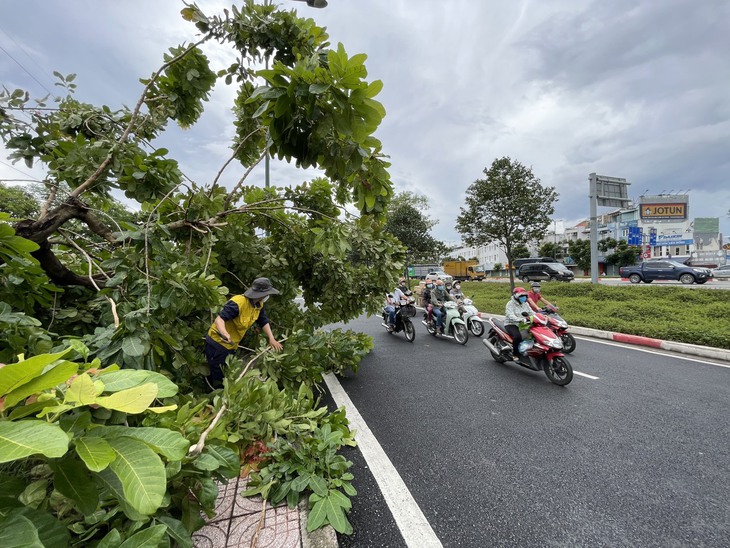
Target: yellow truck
464, 270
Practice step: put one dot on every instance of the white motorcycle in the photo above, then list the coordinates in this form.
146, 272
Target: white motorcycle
470, 315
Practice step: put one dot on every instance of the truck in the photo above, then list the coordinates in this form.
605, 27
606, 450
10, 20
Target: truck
464, 270
420, 271
648, 271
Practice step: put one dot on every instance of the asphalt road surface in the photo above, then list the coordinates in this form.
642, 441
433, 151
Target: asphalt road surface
634, 452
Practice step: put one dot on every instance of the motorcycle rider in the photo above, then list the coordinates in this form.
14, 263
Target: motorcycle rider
394, 300
513, 316
534, 298
439, 293
456, 291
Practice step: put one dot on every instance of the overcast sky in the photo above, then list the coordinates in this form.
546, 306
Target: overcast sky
634, 89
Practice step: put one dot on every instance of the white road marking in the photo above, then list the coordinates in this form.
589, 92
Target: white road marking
677, 355
585, 375
413, 525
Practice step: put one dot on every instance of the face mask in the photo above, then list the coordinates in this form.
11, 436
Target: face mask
536, 289
457, 287
430, 286
523, 299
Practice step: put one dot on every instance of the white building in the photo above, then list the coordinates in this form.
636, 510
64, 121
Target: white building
487, 255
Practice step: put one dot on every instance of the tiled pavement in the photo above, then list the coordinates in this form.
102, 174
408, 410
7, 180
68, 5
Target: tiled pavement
238, 518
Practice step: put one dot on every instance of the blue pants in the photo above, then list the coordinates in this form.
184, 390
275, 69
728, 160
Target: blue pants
438, 314
390, 309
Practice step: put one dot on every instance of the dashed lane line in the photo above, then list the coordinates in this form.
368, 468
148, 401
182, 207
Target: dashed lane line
409, 518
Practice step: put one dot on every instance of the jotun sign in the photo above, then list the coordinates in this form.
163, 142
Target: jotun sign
676, 211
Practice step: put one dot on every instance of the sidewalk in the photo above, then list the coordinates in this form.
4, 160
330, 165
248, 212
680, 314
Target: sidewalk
248, 522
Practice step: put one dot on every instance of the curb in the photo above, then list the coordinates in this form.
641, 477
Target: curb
682, 348
324, 537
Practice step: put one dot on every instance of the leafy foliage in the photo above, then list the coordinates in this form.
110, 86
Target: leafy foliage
138, 290
510, 207
580, 253
406, 221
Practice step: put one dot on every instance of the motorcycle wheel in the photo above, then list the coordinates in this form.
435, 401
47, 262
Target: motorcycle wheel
476, 328
409, 330
461, 334
568, 342
559, 372
494, 340
431, 328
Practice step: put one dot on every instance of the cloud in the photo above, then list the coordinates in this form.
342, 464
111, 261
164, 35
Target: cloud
634, 89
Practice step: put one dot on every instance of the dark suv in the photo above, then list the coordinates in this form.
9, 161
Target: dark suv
544, 271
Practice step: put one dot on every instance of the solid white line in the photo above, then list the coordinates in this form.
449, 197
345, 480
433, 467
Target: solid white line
413, 525
585, 375
677, 355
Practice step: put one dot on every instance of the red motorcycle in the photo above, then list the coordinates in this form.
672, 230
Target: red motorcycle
560, 326
542, 350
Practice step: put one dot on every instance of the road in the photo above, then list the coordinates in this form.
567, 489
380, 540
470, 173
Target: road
636, 453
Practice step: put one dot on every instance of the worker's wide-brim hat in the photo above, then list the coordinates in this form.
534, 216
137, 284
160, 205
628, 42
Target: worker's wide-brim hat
260, 288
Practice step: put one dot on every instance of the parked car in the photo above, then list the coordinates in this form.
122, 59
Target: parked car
721, 271
531, 272
440, 275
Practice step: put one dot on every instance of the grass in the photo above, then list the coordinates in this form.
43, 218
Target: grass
695, 316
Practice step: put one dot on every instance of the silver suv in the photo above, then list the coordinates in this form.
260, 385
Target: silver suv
440, 275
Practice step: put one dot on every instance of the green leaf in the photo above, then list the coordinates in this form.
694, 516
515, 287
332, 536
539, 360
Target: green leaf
51, 378
16, 374
10, 489
19, 532
29, 437
133, 400
112, 540
318, 88
73, 480
115, 381
82, 391
133, 346
50, 531
172, 445
317, 516
206, 462
147, 538
261, 110
96, 453
318, 484
141, 473
177, 531
230, 464
336, 515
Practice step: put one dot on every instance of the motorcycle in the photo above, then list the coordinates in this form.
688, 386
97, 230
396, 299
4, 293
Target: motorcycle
453, 326
470, 315
403, 315
541, 351
560, 327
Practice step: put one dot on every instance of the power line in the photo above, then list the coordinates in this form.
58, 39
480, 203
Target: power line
28, 55
19, 171
26, 70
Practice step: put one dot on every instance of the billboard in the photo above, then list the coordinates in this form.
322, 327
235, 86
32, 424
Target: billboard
663, 211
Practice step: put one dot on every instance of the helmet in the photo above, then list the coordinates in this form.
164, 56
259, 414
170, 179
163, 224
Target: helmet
518, 292
535, 285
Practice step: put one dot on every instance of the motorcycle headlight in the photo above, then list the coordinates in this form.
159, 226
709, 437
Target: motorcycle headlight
556, 343
562, 323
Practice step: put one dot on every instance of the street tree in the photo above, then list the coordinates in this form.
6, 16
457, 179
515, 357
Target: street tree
580, 253
406, 220
18, 202
550, 249
139, 291
510, 207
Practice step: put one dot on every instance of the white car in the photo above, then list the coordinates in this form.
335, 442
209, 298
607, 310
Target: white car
440, 275
721, 271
